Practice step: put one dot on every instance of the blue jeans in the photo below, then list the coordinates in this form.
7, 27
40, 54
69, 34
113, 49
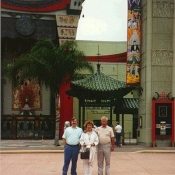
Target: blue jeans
118, 139
70, 154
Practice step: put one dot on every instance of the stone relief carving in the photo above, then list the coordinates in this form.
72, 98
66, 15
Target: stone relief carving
162, 57
163, 9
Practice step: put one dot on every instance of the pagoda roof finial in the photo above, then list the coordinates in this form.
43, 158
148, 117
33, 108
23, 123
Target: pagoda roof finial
98, 64
98, 68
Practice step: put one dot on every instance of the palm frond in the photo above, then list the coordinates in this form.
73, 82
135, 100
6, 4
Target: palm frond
50, 64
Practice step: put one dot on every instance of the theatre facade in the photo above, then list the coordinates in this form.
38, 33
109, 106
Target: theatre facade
138, 75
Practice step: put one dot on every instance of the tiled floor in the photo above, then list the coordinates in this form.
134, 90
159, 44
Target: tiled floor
125, 163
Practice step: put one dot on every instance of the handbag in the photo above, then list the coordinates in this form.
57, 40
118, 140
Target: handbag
84, 154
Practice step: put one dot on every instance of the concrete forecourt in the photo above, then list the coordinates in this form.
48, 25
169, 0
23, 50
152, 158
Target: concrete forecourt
43, 158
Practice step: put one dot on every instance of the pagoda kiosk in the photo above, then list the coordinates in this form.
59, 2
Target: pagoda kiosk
99, 90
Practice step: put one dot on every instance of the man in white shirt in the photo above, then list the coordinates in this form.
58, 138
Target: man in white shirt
106, 145
118, 130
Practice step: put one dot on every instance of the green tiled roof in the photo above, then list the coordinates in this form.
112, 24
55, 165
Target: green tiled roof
99, 86
128, 106
130, 103
99, 82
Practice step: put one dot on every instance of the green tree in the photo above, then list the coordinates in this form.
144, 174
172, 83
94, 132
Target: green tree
51, 65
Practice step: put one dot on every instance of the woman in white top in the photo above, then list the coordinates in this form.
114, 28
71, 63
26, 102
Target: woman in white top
89, 139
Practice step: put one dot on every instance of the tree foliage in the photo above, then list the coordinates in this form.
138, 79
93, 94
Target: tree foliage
50, 64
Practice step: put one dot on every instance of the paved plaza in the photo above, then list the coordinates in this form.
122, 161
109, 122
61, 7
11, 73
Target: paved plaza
43, 158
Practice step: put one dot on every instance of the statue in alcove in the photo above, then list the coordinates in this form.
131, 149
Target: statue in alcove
26, 110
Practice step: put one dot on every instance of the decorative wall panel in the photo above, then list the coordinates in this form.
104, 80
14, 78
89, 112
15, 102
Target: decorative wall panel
67, 27
163, 9
162, 57
26, 91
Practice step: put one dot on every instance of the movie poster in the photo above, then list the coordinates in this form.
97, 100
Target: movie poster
133, 42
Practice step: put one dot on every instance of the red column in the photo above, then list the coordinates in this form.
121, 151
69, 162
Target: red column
153, 124
173, 120
66, 107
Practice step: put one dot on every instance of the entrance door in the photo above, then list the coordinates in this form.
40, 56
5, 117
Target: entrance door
163, 123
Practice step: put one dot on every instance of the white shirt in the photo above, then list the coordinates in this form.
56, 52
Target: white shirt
118, 129
104, 134
89, 139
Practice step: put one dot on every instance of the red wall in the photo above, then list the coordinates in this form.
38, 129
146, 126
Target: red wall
60, 5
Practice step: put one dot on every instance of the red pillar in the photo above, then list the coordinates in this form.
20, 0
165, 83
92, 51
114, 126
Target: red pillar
173, 120
153, 124
66, 107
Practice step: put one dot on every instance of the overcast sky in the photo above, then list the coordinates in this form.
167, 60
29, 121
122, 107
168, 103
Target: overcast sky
104, 20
